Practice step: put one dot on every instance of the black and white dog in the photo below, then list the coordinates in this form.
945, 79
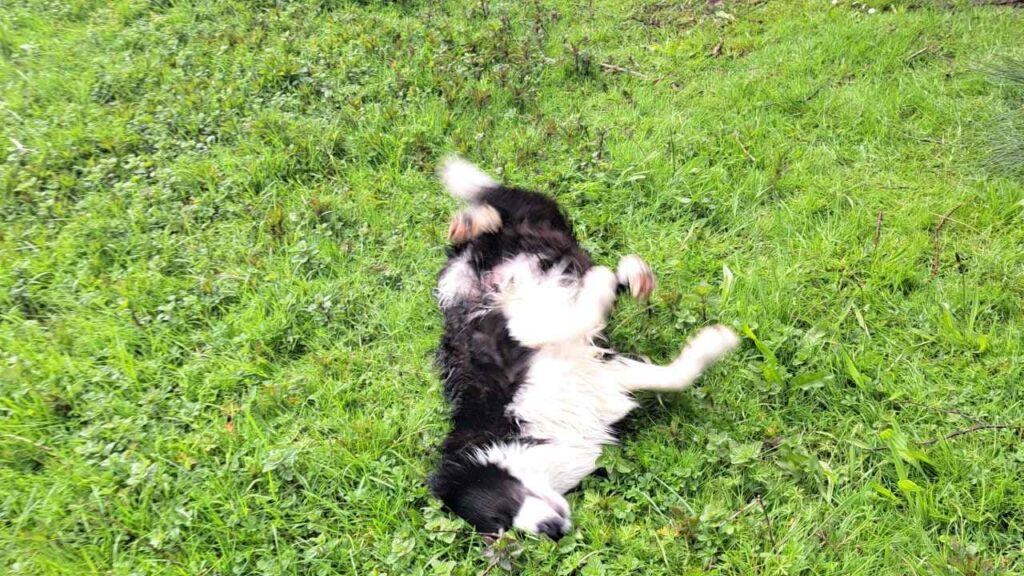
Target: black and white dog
533, 398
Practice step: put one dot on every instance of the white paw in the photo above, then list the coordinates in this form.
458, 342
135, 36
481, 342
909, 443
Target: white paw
472, 222
712, 343
636, 274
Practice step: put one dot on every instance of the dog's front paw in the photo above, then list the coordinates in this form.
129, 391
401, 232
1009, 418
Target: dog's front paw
712, 343
637, 275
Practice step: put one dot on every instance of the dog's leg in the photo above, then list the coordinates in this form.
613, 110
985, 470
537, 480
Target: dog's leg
537, 316
472, 222
541, 314
457, 282
703, 350
635, 275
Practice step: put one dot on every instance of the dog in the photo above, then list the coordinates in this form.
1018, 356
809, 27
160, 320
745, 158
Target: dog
533, 398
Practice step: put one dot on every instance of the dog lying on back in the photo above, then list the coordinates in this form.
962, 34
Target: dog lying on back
533, 399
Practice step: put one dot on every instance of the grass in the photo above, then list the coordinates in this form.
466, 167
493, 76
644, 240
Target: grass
221, 231
1008, 133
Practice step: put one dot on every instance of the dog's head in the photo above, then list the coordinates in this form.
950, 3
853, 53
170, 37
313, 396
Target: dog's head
493, 499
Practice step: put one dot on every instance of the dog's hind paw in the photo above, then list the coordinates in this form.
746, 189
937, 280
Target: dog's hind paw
473, 222
712, 343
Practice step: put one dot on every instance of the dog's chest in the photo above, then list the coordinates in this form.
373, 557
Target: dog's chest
568, 398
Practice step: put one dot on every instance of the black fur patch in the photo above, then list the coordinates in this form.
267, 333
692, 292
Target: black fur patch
483, 494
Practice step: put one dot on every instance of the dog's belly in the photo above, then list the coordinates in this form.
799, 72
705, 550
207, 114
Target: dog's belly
569, 401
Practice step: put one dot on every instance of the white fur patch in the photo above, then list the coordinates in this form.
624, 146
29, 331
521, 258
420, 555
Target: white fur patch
536, 511
463, 179
458, 282
546, 308
570, 401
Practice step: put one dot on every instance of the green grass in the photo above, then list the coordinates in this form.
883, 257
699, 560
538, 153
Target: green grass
1008, 134
220, 233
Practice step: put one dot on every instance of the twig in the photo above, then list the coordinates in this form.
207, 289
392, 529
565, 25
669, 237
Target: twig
927, 48
959, 222
963, 415
739, 512
642, 22
617, 68
135, 317
661, 547
814, 92
771, 530
491, 566
502, 556
938, 237
42, 447
974, 428
979, 425
780, 167
878, 227
744, 148
587, 557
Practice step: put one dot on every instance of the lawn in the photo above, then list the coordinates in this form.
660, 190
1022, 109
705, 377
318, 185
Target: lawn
220, 233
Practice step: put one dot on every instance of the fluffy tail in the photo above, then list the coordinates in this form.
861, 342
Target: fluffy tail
463, 179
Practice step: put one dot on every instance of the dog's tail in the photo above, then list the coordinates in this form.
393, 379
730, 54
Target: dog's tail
463, 179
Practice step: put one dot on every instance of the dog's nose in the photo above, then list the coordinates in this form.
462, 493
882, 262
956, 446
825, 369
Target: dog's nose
554, 528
